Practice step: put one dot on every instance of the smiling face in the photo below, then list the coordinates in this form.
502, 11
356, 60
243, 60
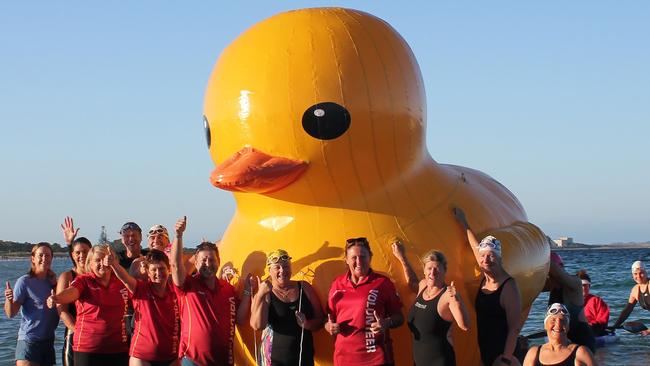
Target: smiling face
158, 272
557, 326
358, 260
98, 265
640, 276
158, 241
41, 260
79, 254
280, 273
131, 239
336, 89
207, 263
434, 273
488, 260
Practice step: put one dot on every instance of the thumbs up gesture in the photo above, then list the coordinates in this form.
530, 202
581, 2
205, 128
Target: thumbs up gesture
380, 325
332, 327
51, 300
451, 291
9, 293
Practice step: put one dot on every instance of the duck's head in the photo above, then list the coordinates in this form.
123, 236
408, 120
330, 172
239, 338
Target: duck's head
328, 96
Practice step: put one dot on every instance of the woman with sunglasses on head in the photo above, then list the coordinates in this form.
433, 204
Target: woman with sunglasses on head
437, 305
640, 293
362, 307
102, 302
78, 249
558, 351
288, 311
498, 303
35, 344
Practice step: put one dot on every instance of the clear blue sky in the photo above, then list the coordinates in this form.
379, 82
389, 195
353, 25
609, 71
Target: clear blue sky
101, 106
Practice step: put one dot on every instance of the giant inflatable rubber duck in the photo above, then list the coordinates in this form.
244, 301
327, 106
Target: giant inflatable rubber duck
316, 119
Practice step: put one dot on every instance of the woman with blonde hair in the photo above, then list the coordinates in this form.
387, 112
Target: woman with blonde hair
102, 302
435, 308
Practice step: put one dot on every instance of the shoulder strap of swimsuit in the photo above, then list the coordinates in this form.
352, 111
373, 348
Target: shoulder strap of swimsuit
537, 361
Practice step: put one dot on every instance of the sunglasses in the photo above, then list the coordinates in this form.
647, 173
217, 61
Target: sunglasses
277, 258
557, 310
352, 241
157, 231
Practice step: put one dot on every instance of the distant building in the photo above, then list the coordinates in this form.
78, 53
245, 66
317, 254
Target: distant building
563, 241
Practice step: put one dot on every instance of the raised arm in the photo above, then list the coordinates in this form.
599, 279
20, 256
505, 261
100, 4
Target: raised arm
260, 305
399, 251
471, 237
69, 231
176, 255
129, 282
457, 307
511, 302
560, 275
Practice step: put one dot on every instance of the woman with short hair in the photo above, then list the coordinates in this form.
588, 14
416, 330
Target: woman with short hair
436, 307
35, 344
362, 308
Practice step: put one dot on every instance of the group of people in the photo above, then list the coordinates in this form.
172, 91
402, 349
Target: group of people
157, 306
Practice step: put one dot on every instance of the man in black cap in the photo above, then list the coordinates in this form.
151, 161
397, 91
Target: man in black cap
131, 238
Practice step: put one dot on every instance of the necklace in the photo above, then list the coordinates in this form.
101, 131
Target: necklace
283, 292
431, 294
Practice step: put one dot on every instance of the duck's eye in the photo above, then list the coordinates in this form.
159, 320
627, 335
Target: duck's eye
326, 121
206, 126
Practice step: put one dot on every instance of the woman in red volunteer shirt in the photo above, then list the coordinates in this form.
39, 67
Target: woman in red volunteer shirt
156, 331
362, 307
102, 302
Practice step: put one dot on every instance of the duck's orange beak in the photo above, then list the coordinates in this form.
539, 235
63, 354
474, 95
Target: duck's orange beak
250, 170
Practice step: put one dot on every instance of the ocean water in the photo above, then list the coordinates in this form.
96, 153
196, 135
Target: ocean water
608, 268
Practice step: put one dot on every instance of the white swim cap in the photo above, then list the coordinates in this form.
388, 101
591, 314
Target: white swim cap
638, 265
490, 243
555, 309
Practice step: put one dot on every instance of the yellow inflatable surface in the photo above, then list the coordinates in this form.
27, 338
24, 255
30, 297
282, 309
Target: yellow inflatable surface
316, 119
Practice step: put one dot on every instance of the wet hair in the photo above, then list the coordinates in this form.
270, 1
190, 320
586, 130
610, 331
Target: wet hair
80, 240
206, 245
97, 249
156, 256
434, 256
582, 274
361, 242
32, 270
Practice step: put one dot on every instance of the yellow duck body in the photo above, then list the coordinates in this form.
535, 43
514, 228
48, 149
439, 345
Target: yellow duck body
332, 102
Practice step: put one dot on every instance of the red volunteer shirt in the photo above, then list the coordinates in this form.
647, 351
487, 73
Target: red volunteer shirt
353, 307
207, 321
156, 330
100, 326
596, 310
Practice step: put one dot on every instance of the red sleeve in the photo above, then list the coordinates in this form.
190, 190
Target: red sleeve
393, 302
601, 311
80, 284
332, 297
137, 292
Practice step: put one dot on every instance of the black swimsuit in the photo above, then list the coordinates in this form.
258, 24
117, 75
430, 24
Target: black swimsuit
569, 361
492, 323
285, 349
644, 297
429, 331
580, 332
